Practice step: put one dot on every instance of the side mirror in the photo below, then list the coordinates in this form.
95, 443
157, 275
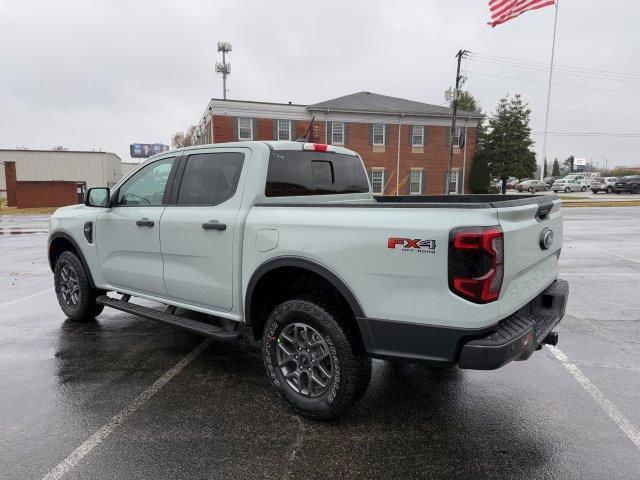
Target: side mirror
97, 197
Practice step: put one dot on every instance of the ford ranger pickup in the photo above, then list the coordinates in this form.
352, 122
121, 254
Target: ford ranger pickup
284, 241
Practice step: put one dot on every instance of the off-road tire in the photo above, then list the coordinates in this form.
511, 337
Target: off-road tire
86, 307
351, 365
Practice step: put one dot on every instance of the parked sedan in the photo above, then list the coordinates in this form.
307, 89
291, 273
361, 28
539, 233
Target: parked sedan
568, 186
532, 186
511, 183
603, 184
629, 184
549, 180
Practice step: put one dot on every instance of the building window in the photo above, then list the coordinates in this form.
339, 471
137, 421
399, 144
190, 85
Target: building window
378, 134
337, 133
284, 130
453, 181
456, 138
417, 136
245, 128
415, 182
377, 181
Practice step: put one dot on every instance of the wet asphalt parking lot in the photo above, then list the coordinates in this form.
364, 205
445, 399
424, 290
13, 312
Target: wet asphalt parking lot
123, 397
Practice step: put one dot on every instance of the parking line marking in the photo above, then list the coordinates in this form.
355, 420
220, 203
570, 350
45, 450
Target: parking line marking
25, 298
625, 258
118, 419
610, 409
600, 274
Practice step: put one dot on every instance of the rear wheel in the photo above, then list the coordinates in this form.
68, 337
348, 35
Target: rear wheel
583, 189
567, 189
547, 188
75, 295
314, 357
532, 190
609, 190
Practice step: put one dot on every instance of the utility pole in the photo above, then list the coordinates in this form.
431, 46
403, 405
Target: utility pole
224, 68
456, 96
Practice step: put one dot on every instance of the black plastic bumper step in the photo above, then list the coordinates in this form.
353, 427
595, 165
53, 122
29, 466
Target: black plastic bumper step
195, 326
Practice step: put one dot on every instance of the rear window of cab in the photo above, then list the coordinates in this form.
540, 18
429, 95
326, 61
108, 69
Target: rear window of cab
295, 173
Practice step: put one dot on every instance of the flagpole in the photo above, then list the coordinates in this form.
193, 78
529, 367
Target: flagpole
546, 116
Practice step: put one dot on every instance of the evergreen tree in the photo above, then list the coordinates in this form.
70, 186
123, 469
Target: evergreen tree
507, 143
545, 173
479, 177
555, 171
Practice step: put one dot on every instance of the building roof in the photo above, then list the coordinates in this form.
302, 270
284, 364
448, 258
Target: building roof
375, 103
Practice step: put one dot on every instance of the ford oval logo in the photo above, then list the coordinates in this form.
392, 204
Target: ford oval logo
546, 238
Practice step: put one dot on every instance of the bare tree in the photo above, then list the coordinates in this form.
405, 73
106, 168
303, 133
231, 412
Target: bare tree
184, 139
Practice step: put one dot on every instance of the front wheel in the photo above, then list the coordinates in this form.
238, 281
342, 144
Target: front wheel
609, 190
314, 357
532, 190
75, 295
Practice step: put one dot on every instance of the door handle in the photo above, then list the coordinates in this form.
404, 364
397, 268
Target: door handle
214, 225
145, 222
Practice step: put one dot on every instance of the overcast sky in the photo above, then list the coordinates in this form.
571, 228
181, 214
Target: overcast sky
102, 75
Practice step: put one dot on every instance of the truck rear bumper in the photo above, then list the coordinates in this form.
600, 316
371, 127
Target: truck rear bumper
513, 338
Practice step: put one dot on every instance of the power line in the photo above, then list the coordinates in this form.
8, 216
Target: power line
588, 112
590, 134
560, 71
559, 84
546, 65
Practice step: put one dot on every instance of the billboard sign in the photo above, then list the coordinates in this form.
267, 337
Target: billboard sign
579, 164
146, 150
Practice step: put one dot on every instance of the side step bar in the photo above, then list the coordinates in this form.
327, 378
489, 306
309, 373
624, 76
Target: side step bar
195, 326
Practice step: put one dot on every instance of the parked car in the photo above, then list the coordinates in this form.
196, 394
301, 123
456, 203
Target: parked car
511, 183
570, 183
287, 239
532, 186
589, 178
568, 186
549, 180
630, 184
603, 184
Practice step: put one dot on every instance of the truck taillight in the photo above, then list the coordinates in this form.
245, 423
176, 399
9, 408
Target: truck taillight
476, 263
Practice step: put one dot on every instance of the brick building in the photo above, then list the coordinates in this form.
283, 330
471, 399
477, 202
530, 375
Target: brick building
404, 144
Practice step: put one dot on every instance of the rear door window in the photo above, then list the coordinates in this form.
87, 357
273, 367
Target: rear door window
296, 173
210, 178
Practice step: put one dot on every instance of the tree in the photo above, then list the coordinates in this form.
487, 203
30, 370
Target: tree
555, 171
182, 139
468, 103
567, 165
508, 141
545, 172
480, 176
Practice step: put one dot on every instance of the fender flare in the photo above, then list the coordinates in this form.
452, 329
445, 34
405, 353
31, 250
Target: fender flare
300, 262
70, 239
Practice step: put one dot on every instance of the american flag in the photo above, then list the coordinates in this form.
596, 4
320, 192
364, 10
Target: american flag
504, 10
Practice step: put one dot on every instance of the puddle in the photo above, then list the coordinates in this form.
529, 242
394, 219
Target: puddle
21, 231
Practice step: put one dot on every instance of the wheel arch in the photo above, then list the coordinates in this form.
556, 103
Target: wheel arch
62, 241
291, 268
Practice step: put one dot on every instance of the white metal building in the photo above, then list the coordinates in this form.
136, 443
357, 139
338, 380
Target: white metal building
91, 169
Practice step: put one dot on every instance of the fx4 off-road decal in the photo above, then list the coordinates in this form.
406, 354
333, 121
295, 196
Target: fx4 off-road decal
412, 245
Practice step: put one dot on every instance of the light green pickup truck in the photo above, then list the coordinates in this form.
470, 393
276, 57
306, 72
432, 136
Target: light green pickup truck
287, 239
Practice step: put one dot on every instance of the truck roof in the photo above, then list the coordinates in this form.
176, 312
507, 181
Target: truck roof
272, 144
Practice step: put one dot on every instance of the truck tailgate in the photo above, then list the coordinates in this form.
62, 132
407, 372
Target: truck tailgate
529, 265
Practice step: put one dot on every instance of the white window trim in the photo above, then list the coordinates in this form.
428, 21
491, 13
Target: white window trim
420, 183
333, 132
456, 174
250, 128
413, 135
376, 170
288, 129
384, 135
456, 137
